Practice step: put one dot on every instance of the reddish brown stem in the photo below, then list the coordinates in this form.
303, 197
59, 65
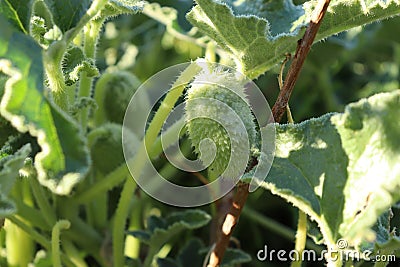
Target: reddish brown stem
231, 219
303, 47
242, 189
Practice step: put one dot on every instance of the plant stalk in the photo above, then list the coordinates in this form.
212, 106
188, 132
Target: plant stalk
301, 238
42, 201
55, 241
42, 240
91, 33
150, 137
52, 57
277, 111
303, 47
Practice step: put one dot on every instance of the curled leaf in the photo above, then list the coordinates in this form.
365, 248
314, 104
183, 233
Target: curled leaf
64, 158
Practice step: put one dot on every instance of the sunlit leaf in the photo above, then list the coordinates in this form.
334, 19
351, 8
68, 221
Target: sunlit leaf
259, 33
67, 13
64, 159
16, 12
341, 169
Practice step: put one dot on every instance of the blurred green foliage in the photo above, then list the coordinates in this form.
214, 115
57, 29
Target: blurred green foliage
339, 70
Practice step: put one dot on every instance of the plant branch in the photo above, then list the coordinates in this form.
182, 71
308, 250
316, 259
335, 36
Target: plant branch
242, 189
231, 219
52, 57
303, 47
91, 33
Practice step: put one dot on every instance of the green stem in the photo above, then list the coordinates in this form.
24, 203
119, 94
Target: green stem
168, 104
168, 138
150, 256
91, 32
52, 57
210, 52
333, 256
139, 159
92, 239
88, 206
31, 215
301, 238
99, 208
97, 5
276, 227
85, 85
43, 202
73, 253
19, 244
121, 215
52, 60
161, 249
42, 240
117, 176
164, 251
111, 180
132, 244
71, 93
55, 241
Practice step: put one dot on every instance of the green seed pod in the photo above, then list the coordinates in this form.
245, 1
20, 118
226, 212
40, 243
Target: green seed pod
217, 109
105, 144
113, 92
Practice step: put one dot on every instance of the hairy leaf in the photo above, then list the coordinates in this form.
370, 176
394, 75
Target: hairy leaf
259, 33
67, 13
117, 7
42, 27
128, 6
9, 167
341, 169
64, 158
17, 13
74, 63
233, 257
161, 230
386, 237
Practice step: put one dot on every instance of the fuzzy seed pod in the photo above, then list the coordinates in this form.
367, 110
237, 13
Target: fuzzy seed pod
105, 144
217, 110
113, 92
